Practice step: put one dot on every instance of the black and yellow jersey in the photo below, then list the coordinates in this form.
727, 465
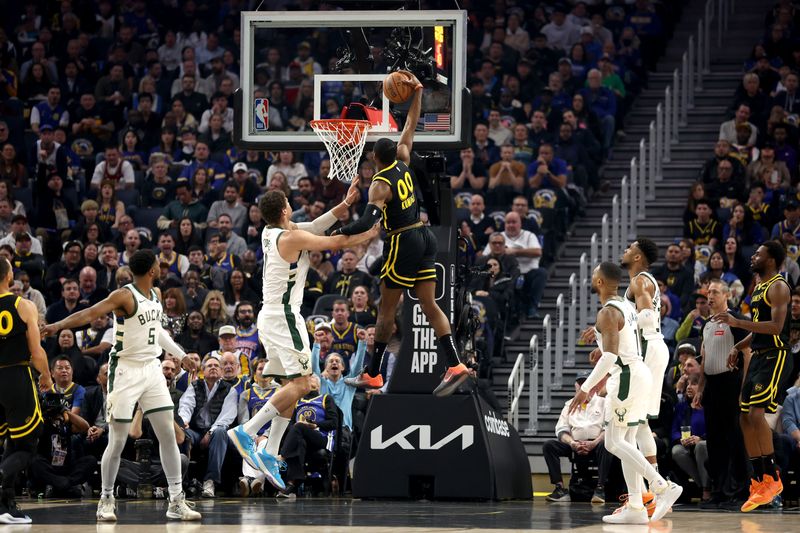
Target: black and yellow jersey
13, 332
761, 309
403, 209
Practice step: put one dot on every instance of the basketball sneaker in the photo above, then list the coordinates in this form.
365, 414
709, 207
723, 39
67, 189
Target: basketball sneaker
665, 498
107, 509
10, 513
245, 445
759, 495
648, 498
365, 381
627, 515
454, 377
180, 509
272, 469
773, 485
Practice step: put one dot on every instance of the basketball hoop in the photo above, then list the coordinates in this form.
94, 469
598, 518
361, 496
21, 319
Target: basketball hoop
344, 140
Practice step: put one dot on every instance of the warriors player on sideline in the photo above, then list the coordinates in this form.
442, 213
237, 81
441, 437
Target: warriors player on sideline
281, 328
643, 293
627, 386
135, 377
764, 368
20, 414
408, 260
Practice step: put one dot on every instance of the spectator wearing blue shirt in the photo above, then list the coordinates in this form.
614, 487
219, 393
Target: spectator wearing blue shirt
61, 368
603, 102
548, 171
790, 417
689, 437
50, 111
201, 159
332, 380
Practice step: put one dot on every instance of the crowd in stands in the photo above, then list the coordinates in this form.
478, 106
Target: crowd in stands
115, 135
747, 193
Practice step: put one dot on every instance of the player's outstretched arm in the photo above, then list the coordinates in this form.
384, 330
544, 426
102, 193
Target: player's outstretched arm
27, 311
119, 299
293, 242
379, 194
407, 136
323, 223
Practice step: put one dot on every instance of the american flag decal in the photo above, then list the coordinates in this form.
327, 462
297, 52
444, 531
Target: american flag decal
436, 122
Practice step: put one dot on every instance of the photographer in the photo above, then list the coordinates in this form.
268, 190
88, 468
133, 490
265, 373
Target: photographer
56, 471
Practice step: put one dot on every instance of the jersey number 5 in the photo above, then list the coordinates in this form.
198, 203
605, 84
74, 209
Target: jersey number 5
151, 336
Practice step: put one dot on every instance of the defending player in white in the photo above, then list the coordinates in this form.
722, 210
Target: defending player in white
643, 293
628, 385
135, 377
281, 328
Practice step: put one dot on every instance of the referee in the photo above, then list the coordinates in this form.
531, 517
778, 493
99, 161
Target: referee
727, 462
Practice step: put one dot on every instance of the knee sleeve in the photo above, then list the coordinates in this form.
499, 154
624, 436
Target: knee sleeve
646, 441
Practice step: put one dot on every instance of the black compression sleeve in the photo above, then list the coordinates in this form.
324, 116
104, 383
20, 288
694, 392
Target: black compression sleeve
371, 215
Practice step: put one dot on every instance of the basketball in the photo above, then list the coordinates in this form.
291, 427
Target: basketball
395, 90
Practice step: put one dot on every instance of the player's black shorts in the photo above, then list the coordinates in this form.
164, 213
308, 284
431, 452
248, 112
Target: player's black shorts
409, 257
762, 384
20, 414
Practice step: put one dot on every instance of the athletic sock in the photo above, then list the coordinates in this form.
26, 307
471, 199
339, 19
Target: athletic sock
375, 362
448, 348
769, 465
758, 468
106, 492
264, 415
276, 431
175, 489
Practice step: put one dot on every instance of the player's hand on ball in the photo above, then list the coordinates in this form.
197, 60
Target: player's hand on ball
410, 79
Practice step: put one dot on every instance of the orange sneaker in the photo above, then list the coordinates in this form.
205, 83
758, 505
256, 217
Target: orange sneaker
648, 498
772, 486
759, 495
365, 381
454, 377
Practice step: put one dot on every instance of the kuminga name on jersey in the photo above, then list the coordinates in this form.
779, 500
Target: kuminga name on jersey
403, 209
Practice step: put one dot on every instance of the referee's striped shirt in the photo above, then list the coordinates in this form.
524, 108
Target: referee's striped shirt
718, 341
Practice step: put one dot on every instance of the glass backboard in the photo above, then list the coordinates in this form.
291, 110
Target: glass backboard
301, 66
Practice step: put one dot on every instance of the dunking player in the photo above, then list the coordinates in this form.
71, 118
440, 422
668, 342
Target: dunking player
408, 260
20, 414
764, 368
135, 377
643, 293
280, 327
627, 387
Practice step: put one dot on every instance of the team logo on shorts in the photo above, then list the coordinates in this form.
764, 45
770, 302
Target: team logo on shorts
303, 360
621, 412
758, 388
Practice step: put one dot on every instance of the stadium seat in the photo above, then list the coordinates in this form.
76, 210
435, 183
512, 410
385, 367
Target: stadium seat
324, 304
147, 217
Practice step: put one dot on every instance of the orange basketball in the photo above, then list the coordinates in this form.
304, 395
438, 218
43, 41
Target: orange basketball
395, 90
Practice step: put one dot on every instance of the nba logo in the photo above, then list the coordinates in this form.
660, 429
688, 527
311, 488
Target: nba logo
261, 114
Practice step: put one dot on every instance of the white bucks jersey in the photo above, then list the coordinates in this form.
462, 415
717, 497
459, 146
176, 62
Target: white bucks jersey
656, 297
136, 336
628, 351
284, 282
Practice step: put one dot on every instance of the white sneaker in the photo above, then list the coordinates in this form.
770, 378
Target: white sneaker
107, 509
257, 486
665, 499
627, 515
244, 487
180, 509
208, 489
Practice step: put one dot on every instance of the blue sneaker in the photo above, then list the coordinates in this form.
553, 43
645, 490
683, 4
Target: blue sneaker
246, 446
272, 469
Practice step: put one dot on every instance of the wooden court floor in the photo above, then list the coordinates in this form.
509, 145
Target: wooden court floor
356, 516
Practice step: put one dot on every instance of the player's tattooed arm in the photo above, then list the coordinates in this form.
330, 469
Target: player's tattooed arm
120, 299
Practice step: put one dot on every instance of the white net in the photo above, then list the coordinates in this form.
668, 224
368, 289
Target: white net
344, 140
